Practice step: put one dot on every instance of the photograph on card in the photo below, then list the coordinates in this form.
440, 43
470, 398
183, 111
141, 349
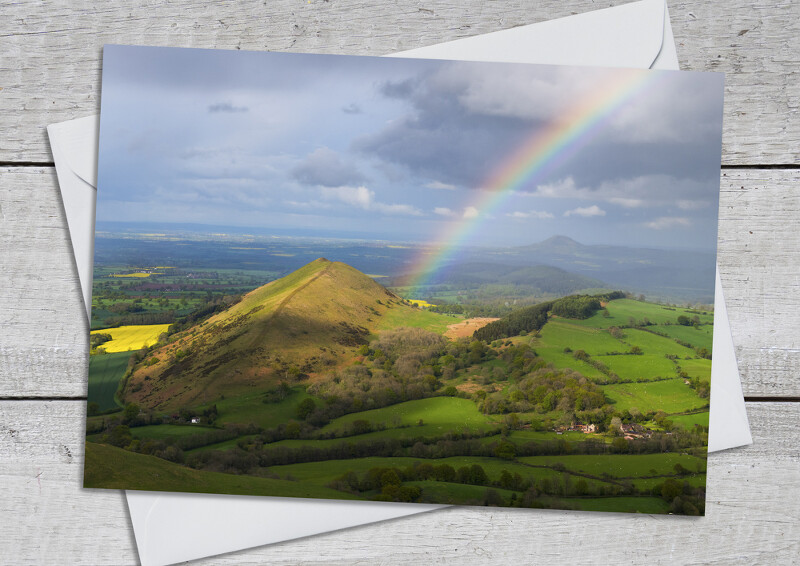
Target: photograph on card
413, 280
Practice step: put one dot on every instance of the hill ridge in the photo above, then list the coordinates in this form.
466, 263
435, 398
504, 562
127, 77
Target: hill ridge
300, 326
283, 302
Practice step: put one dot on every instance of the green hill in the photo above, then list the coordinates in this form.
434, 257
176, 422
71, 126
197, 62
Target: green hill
308, 322
114, 468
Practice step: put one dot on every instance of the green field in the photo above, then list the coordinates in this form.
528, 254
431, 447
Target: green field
224, 445
652, 344
115, 468
670, 396
321, 473
250, 408
105, 371
594, 341
697, 368
647, 484
440, 414
553, 352
698, 337
166, 431
688, 421
622, 465
417, 318
621, 504
131, 338
644, 367
621, 310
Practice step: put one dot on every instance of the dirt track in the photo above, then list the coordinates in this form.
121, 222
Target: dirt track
467, 327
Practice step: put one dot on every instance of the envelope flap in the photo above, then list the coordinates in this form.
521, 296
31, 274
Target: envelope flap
72, 142
630, 35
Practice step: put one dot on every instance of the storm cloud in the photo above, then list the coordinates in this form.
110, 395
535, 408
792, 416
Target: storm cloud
408, 149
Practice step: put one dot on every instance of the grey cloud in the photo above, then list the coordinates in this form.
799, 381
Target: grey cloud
325, 167
226, 107
465, 121
352, 108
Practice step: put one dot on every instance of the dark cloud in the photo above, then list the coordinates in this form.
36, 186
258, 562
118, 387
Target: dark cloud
399, 89
324, 167
352, 109
440, 138
226, 107
462, 127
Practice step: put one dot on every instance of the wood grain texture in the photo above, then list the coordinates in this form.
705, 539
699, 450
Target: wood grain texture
50, 51
751, 515
44, 346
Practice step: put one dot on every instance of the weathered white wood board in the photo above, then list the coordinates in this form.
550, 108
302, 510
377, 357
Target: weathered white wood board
44, 346
752, 516
50, 71
50, 51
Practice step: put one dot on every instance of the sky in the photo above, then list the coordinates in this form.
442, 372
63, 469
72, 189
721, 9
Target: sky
404, 149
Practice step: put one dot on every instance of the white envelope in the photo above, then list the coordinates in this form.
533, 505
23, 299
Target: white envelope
634, 35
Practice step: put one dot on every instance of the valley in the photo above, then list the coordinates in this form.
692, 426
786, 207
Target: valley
330, 382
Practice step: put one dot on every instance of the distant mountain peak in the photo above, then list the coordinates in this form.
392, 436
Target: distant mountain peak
560, 241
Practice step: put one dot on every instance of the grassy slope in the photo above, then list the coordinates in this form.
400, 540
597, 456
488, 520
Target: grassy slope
645, 367
417, 318
115, 468
105, 371
443, 413
249, 408
698, 337
621, 310
671, 396
688, 421
321, 473
592, 336
163, 432
697, 368
307, 319
622, 465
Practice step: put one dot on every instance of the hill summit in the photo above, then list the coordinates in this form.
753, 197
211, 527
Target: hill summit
298, 325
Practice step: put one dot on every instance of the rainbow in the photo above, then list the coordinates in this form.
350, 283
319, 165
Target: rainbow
545, 149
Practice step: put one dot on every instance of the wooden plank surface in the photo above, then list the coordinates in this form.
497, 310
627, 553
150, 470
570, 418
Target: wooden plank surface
751, 515
45, 334
50, 51
49, 72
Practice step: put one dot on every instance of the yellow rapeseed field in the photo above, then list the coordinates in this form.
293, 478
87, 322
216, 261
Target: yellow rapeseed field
134, 337
420, 303
132, 275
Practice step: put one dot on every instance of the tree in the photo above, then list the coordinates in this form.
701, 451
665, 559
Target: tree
505, 450
684, 320
476, 350
670, 489
477, 475
390, 477
305, 408
120, 436
491, 498
92, 409
131, 412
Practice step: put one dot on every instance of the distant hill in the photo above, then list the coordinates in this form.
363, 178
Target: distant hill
303, 323
668, 274
545, 279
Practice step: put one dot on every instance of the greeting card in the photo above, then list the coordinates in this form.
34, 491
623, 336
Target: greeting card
404, 280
